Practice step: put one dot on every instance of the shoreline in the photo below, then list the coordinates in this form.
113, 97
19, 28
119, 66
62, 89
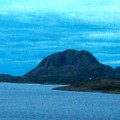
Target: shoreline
69, 88
64, 87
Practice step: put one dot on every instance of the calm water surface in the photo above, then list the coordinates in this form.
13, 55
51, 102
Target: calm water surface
39, 102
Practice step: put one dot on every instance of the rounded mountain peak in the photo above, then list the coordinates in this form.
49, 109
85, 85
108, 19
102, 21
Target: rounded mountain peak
68, 66
69, 57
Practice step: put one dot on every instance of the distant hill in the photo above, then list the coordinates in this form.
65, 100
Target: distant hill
117, 70
8, 78
79, 69
68, 66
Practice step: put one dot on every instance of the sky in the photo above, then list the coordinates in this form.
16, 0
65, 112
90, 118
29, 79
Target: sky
33, 29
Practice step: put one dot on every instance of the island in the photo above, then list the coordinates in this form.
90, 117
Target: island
79, 70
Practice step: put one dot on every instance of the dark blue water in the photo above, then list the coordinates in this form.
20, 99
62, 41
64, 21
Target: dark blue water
39, 102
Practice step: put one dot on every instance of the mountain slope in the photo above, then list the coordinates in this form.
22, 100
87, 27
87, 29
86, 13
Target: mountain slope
9, 78
98, 85
67, 67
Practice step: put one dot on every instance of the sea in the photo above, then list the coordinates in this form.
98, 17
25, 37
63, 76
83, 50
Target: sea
41, 102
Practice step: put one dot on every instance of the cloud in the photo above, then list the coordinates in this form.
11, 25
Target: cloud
103, 35
94, 11
113, 62
31, 30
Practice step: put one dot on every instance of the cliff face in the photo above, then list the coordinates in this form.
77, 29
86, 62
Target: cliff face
68, 66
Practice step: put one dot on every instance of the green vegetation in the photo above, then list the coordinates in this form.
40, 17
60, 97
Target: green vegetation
102, 85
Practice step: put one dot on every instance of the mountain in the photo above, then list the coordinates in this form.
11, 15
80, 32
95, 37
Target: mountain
68, 66
8, 78
117, 70
80, 69
117, 73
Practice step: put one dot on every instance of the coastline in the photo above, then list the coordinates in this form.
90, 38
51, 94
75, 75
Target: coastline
79, 88
75, 89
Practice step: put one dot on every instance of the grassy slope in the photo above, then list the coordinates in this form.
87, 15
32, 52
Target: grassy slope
104, 85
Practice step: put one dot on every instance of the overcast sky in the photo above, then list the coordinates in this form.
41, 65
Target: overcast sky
33, 29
